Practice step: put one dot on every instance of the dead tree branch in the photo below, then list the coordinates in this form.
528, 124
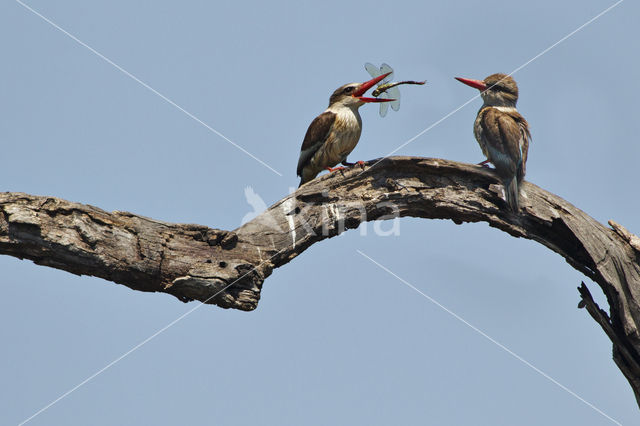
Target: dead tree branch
227, 268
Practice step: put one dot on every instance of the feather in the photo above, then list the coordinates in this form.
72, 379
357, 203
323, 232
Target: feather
316, 135
504, 136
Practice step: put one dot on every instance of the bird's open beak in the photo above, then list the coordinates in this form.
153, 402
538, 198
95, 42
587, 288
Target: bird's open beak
368, 85
477, 84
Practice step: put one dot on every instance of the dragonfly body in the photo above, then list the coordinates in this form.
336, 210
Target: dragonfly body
387, 89
384, 87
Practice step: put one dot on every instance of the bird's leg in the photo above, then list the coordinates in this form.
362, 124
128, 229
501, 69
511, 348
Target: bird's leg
484, 163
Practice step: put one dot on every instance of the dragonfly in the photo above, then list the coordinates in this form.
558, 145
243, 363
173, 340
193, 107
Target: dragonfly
386, 88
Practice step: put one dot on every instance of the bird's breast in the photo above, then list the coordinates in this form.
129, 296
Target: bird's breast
345, 133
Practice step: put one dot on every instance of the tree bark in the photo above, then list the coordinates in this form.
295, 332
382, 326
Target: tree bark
227, 268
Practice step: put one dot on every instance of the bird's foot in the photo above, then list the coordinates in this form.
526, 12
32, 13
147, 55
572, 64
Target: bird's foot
484, 163
334, 169
359, 163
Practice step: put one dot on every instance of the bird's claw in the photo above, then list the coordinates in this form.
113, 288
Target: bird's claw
359, 163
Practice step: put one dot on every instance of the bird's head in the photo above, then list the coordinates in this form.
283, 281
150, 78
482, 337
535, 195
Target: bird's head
496, 90
350, 95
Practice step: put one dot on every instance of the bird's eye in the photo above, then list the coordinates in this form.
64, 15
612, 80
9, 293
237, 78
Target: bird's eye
348, 90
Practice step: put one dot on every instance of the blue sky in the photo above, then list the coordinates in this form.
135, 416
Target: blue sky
335, 340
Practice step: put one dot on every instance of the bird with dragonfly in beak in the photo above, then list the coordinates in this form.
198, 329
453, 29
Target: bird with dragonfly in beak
332, 135
502, 133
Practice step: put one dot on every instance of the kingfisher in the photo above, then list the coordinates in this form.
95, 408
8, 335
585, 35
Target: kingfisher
502, 133
332, 135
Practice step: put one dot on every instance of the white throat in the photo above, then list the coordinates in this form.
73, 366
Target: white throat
505, 108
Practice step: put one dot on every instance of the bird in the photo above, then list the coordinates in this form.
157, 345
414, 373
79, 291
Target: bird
332, 135
502, 133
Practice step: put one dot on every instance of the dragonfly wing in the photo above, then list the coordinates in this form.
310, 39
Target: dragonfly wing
384, 107
372, 70
385, 68
394, 93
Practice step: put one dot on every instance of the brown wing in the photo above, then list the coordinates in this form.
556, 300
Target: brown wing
524, 147
316, 135
505, 141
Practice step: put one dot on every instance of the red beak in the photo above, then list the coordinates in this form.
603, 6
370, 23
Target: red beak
476, 84
368, 85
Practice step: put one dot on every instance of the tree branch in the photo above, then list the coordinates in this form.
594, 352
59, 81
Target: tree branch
227, 268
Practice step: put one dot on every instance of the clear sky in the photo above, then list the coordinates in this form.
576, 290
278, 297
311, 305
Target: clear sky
335, 339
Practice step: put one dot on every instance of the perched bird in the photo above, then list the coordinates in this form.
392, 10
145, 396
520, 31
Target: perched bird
503, 134
332, 135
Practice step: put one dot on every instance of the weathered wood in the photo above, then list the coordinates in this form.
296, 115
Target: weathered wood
227, 268
623, 355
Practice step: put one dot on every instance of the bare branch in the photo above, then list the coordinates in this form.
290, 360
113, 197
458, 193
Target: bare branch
227, 268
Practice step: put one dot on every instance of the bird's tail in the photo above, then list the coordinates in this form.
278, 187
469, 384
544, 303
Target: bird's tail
512, 194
